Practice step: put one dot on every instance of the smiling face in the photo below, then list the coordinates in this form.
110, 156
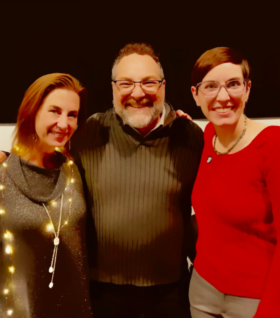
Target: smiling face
138, 109
56, 119
223, 109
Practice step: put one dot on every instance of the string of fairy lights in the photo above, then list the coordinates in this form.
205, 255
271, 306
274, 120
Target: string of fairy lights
9, 239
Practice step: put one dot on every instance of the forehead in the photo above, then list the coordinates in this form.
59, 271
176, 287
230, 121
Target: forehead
137, 67
63, 98
224, 72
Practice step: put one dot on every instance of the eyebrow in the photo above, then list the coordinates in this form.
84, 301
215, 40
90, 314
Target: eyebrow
54, 106
71, 111
130, 79
231, 79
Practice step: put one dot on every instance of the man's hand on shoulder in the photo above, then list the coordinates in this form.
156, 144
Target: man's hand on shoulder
180, 113
2, 156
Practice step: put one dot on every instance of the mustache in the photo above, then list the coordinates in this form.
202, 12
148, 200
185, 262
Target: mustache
139, 103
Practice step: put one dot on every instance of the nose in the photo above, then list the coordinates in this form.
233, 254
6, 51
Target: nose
62, 122
137, 91
223, 94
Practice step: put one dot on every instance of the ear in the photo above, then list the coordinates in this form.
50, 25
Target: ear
195, 96
163, 85
248, 90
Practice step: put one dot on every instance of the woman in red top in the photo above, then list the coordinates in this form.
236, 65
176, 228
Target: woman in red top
236, 197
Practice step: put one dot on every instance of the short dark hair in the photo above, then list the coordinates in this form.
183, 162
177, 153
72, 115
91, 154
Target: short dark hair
214, 57
137, 48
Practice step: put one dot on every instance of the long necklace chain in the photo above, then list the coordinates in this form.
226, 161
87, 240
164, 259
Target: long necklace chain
9, 238
8, 234
237, 141
56, 239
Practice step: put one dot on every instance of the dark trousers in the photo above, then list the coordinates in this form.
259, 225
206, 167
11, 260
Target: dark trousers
129, 301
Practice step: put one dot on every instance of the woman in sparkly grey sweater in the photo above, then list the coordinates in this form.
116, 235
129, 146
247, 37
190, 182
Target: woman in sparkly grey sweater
43, 266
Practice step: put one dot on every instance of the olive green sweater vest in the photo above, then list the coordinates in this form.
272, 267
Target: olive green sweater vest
139, 193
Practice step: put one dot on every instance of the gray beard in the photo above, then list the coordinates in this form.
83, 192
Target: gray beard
140, 121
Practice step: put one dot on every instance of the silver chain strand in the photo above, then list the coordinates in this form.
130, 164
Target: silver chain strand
55, 241
237, 141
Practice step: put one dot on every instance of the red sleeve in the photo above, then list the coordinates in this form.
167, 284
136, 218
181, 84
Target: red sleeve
270, 302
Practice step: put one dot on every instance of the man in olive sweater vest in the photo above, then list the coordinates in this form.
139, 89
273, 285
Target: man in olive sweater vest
139, 163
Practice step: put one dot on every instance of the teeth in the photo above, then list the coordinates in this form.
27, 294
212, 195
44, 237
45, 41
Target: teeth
57, 134
223, 110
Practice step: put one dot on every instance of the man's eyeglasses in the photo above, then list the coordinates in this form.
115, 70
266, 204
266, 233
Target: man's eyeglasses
211, 89
150, 86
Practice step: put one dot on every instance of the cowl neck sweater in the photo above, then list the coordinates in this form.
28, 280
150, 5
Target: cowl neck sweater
37, 183
26, 188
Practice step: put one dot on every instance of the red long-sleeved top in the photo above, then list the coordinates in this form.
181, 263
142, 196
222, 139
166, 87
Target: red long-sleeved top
236, 198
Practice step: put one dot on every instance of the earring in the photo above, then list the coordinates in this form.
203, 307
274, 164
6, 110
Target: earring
69, 144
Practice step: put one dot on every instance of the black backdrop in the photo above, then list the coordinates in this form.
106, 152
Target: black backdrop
83, 38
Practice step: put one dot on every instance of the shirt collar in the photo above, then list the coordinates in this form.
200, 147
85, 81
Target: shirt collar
162, 118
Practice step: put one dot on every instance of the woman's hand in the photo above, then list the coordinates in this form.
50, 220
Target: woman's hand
180, 113
2, 156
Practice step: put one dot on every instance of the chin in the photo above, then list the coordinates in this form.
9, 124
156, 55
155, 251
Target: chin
224, 121
58, 143
138, 121
139, 117
136, 118
54, 145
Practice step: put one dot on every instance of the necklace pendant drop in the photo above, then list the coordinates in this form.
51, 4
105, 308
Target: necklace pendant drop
56, 241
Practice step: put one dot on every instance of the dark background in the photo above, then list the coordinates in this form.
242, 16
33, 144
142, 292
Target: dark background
83, 38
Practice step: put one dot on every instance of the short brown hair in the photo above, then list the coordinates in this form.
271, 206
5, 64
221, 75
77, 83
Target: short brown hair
214, 57
33, 98
137, 48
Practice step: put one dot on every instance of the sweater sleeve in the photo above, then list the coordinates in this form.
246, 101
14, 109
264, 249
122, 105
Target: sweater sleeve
269, 305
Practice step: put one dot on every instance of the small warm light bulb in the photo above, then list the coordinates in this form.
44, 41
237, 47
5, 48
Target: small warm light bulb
5, 165
8, 249
71, 162
17, 148
54, 203
66, 222
70, 200
72, 180
1, 187
49, 227
11, 269
6, 291
9, 312
8, 235
56, 148
2, 211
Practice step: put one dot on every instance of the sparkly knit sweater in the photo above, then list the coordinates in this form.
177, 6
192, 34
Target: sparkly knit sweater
139, 191
24, 232
236, 199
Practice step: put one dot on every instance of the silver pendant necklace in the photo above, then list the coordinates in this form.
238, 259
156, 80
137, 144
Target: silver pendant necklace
237, 141
55, 241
